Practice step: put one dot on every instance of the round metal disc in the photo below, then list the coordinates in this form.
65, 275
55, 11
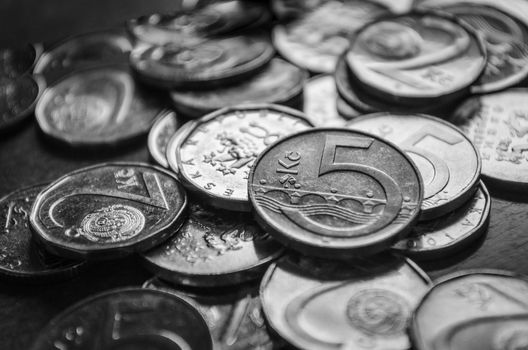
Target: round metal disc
108, 210
98, 106
132, 319
473, 310
17, 61
416, 58
174, 145
450, 233
328, 305
335, 193
216, 155
448, 161
316, 39
161, 132
280, 82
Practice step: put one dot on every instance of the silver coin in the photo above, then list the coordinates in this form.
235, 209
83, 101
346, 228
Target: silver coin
160, 134
174, 145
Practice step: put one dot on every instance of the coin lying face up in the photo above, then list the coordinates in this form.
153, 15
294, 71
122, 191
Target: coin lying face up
161, 132
335, 193
216, 155
108, 210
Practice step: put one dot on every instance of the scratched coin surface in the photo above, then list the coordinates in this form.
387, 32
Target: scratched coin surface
450, 233
315, 40
498, 126
20, 257
161, 132
473, 310
18, 97
448, 161
108, 210
335, 193
17, 61
234, 316
325, 304
212, 63
416, 57
212, 248
217, 154
97, 106
279, 82
128, 318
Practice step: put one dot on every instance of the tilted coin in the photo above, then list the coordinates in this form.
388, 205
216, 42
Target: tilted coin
315, 40
217, 154
450, 233
279, 82
214, 248
108, 210
128, 318
17, 61
416, 58
20, 257
473, 310
498, 126
161, 132
335, 193
346, 110
174, 145
324, 304
211, 63
448, 161
97, 106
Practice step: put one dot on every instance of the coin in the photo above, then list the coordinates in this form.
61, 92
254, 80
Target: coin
472, 310
335, 193
324, 304
19, 256
416, 58
497, 124
448, 161
174, 145
161, 132
280, 82
108, 210
97, 106
16, 61
217, 154
214, 248
346, 110
211, 63
128, 318
315, 40
450, 233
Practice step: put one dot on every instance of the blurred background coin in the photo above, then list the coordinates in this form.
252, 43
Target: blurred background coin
108, 210
16, 61
161, 132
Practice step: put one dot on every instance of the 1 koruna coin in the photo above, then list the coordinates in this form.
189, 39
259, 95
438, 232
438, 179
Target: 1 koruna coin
108, 210
214, 248
279, 82
17, 61
160, 134
448, 161
450, 233
325, 305
20, 257
335, 193
416, 58
97, 106
129, 318
473, 310
211, 63
217, 154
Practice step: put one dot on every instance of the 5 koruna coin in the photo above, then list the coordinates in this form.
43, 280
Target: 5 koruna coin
335, 193
160, 134
108, 210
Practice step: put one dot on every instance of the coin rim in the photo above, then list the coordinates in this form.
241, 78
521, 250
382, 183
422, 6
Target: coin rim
155, 153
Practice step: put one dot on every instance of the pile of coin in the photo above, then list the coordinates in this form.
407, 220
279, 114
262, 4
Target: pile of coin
261, 230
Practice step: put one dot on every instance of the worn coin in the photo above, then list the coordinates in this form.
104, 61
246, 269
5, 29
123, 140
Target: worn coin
160, 134
416, 58
279, 82
174, 145
448, 161
108, 210
335, 193
315, 40
211, 63
20, 257
324, 304
217, 154
498, 125
450, 233
97, 106
473, 310
16, 61
129, 318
